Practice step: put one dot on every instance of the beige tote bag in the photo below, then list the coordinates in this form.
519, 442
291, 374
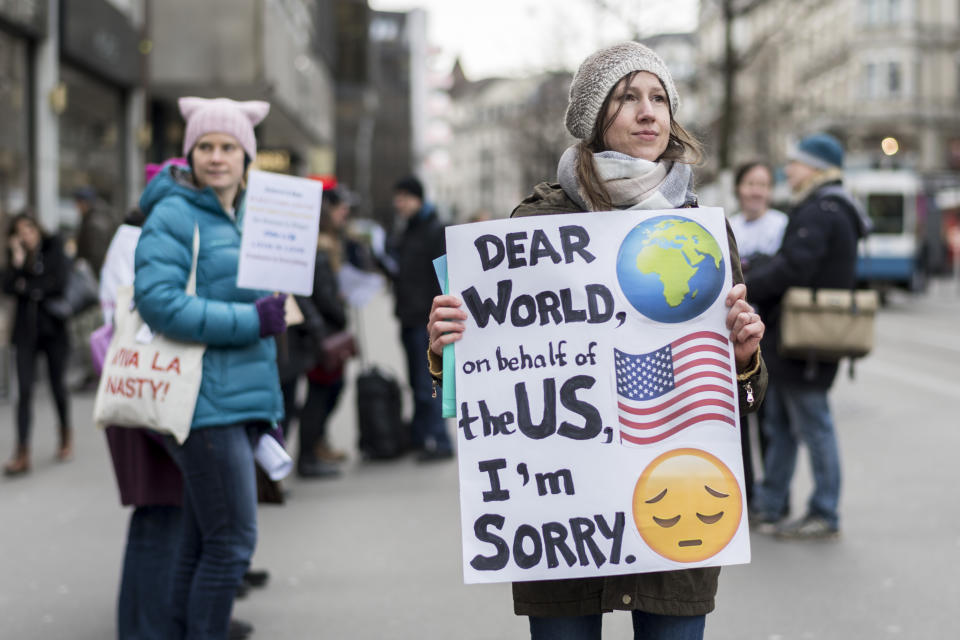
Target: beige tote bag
149, 380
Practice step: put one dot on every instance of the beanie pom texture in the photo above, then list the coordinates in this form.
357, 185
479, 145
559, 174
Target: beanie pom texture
600, 73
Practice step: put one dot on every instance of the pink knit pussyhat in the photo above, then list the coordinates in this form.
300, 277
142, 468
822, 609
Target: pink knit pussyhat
222, 115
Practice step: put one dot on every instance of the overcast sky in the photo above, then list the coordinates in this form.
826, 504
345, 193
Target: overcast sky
518, 37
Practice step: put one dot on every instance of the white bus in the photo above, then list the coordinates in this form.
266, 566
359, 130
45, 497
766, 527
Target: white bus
891, 256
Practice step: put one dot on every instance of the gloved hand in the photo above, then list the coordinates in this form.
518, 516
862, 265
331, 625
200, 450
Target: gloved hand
270, 310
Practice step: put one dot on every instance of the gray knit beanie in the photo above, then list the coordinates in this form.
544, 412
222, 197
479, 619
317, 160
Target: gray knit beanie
600, 72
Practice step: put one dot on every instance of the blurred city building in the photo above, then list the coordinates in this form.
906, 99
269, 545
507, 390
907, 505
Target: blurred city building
70, 103
381, 98
505, 136
355, 98
866, 70
882, 75
281, 52
88, 90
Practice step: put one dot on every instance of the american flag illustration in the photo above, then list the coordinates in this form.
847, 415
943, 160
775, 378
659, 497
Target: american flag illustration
665, 391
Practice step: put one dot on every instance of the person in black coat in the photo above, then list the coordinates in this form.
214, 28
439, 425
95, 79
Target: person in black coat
819, 250
414, 249
36, 272
325, 315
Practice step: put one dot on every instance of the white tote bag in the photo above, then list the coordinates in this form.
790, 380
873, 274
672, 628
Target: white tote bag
149, 380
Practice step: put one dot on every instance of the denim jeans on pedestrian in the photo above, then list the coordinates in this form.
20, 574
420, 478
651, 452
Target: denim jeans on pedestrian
429, 429
793, 415
143, 608
219, 529
646, 626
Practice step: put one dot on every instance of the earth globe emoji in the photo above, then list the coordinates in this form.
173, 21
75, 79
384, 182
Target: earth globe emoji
670, 268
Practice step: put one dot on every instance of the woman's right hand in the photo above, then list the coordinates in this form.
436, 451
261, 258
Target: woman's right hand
18, 254
446, 322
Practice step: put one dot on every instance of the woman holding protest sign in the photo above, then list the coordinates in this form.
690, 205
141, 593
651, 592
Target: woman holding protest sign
631, 154
239, 397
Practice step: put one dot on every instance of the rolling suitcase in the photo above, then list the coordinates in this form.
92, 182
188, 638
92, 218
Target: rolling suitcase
380, 415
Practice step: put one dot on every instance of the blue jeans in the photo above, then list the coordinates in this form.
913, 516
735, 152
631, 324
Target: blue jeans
143, 608
219, 529
429, 428
793, 415
646, 626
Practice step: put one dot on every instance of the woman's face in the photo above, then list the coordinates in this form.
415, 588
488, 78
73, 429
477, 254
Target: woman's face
338, 215
218, 161
28, 234
797, 174
642, 127
753, 191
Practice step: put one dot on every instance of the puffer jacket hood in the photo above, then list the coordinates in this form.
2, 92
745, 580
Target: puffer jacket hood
176, 179
834, 190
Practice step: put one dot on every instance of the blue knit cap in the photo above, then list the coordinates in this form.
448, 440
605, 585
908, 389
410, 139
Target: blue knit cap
820, 151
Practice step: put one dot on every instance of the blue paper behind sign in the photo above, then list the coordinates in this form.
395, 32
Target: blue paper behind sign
449, 387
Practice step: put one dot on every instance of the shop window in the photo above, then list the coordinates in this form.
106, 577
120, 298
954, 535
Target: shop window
880, 11
91, 141
868, 83
14, 142
886, 211
894, 79
893, 10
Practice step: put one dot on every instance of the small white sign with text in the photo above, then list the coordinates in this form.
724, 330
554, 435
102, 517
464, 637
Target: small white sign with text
280, 225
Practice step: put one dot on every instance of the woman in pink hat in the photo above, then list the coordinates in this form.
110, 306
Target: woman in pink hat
239, 396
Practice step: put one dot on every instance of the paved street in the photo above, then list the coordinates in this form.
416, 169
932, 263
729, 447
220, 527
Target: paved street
376, 554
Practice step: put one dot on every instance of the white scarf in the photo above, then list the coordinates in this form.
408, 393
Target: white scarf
633, 183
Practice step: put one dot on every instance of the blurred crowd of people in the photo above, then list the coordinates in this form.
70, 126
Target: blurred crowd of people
193, 526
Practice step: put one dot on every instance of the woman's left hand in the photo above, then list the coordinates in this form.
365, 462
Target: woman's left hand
745, 326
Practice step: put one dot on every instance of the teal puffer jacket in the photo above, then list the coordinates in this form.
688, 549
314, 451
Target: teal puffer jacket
240, 381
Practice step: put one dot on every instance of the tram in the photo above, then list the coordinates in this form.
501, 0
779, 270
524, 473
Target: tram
892, 255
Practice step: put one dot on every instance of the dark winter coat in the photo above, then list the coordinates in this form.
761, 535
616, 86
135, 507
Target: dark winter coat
41, 278
819, 250
324, 313
93, 237
685, 592
415, 283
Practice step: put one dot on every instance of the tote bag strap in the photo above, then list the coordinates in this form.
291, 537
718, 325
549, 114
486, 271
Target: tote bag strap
192, 281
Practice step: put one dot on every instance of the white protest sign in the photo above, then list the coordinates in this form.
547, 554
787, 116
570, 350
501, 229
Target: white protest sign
279, 244
597, 410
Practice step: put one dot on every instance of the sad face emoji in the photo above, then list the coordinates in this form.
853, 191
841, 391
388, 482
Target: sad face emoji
687, 505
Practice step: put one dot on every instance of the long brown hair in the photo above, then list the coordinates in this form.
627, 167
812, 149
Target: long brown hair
682, 146
329, 237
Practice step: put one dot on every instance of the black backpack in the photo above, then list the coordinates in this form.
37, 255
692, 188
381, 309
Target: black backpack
383, 434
